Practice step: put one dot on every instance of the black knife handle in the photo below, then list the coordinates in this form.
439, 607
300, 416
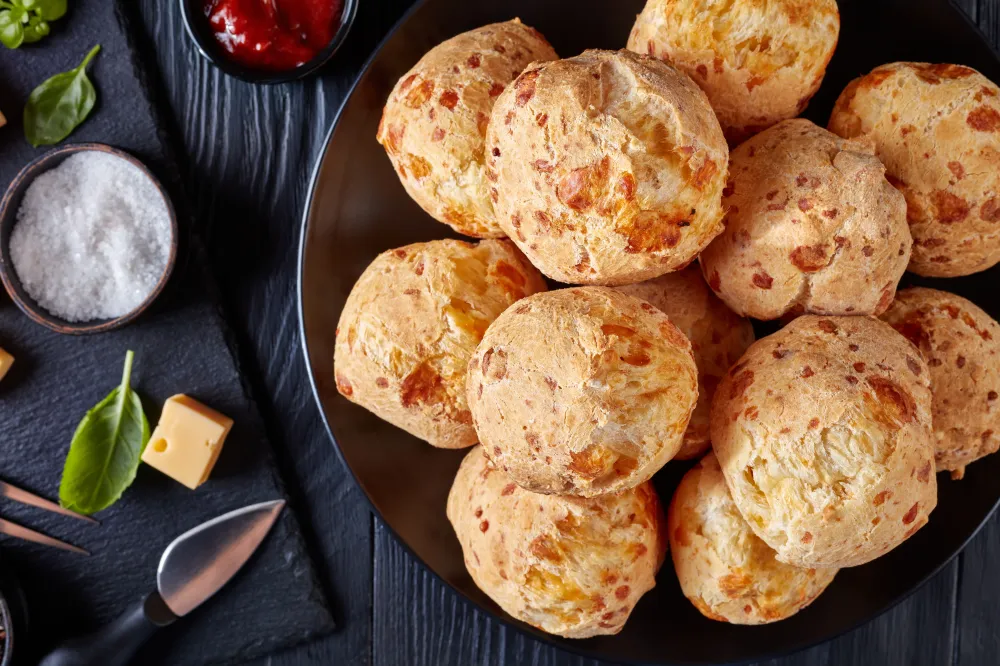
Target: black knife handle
116, 643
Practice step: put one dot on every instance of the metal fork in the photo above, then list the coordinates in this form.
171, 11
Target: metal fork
24, 497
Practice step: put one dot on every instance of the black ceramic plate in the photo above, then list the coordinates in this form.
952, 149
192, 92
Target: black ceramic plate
358, 209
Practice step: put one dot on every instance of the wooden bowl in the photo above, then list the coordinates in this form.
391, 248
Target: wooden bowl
9, 206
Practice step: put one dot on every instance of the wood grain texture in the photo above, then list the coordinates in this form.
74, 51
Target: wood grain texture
180, 344
248, 152
987, 17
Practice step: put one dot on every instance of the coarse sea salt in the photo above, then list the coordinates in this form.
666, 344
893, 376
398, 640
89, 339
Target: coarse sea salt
92, 238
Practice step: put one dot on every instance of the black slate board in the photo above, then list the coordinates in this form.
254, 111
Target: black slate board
181, 346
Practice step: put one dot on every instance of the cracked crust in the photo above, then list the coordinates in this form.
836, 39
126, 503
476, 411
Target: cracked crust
434, 122
812, 226
411, 323
724, 569
568, 566
823, 431
582, 391
759, 62
718, 338
609, 167
937, 130
961, 344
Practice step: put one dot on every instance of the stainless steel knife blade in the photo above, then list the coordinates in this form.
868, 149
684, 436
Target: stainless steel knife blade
199, 562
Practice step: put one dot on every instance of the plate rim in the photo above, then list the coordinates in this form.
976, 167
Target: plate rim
575, 648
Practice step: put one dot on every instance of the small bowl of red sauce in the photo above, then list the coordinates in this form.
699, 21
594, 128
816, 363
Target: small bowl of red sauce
268, 41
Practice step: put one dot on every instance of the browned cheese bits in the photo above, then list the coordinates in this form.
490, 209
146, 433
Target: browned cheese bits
812, 226
823, 431
962, 346
608, 167
937, 130
718, 338
568, 566
724, 569
582, 391
411, 323
434, 122
759, 62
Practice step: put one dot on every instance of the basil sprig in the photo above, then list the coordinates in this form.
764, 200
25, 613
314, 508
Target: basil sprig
59, 104
27, 21
104, 454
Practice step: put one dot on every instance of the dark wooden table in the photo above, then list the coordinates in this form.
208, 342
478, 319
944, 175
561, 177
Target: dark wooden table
246, 154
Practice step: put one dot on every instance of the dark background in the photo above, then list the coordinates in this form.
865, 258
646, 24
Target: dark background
246, 154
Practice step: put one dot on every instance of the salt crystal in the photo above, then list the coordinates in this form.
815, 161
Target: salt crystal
92, 238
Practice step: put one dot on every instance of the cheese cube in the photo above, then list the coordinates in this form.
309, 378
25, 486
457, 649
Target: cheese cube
187, 440
6, 360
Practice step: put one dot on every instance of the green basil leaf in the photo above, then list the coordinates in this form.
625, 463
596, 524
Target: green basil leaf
104, 454
35, 30
50, 10
59, 104
11, 30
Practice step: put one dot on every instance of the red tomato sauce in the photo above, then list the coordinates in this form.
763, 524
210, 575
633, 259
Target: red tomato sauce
273, 34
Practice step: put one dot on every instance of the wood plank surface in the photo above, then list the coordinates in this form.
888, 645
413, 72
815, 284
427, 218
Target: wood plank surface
248, 152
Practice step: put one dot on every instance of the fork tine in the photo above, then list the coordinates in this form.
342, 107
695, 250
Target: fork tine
19, 532
24, 497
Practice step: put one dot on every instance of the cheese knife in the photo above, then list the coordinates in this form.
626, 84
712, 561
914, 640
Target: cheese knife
193, 568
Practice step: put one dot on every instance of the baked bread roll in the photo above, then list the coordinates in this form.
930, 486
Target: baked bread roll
937, 130
823, 431
582, 391
608, 167
812, 226
411, 323
434, 122
961, 344
718, 338
724, 569
568, 566
759, 62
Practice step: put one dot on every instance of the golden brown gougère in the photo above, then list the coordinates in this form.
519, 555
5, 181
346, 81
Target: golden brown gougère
823, 431
582, 391
937, 130
608, 167
962, 346
724, 569
411, 323
566, 565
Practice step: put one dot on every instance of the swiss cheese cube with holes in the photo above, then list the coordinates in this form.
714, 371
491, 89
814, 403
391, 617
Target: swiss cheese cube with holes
759, 62
6, 360
569, 566
187, 441
411, 324
582, 391
823, 431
